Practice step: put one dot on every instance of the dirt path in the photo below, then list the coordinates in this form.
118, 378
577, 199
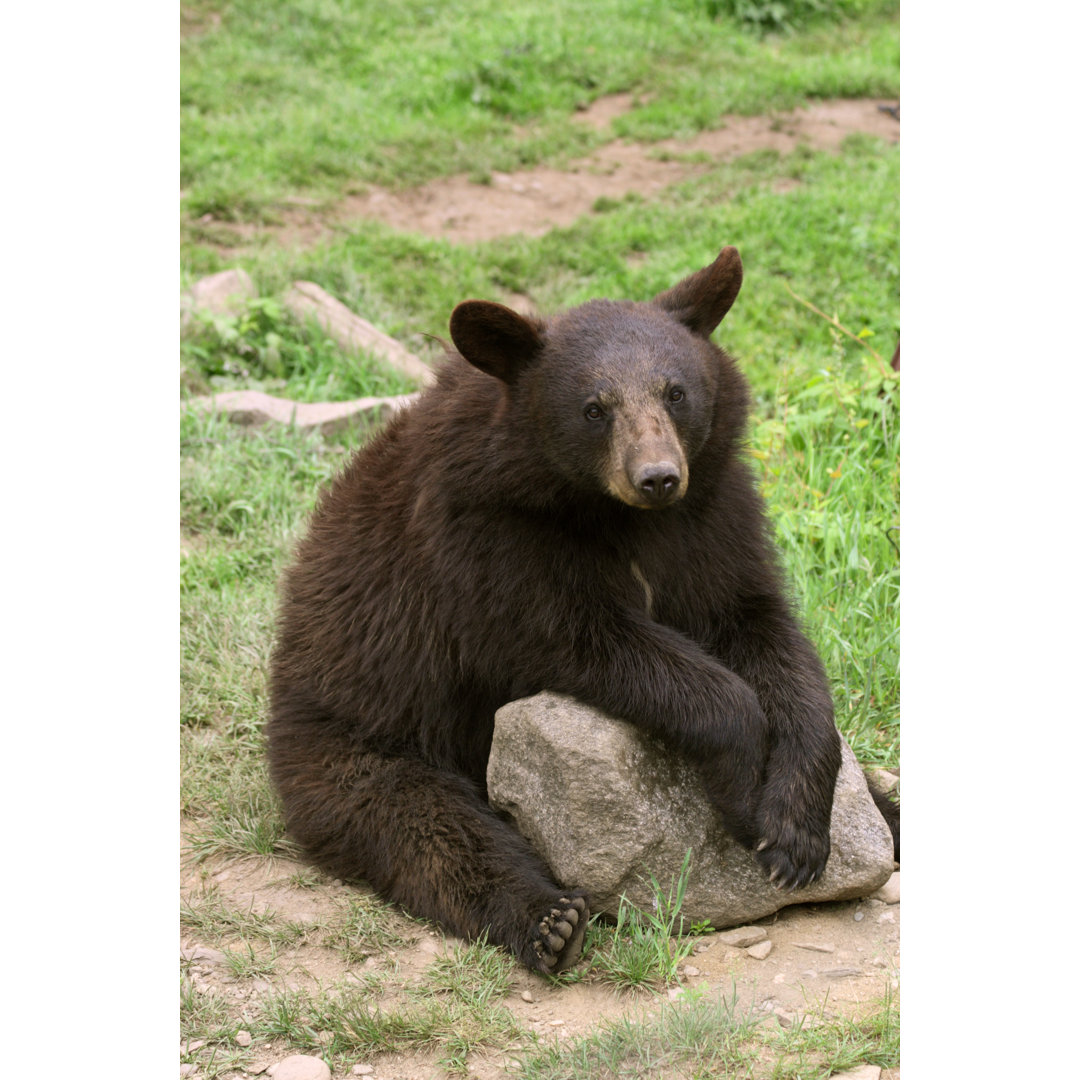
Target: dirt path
535, 200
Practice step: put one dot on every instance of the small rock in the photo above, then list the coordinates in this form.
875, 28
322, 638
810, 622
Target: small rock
191, 1047
784, 1018
760, 950
690, 970
219, 294
527, 996
859, 915
300, 1067
743, 936
363, 1070
863, 1072
890, 891
243, 1038
556, 1023
814, 946
840, 973
207, 956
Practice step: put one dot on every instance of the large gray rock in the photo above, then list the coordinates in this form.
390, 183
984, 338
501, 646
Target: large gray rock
606, 806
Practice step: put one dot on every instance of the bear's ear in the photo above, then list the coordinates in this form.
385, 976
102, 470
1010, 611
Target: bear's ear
493, 338
700, 301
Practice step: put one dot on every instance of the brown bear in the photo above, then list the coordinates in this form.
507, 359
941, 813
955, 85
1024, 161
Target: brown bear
566, 510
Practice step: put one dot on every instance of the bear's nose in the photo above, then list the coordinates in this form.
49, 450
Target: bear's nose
658, 482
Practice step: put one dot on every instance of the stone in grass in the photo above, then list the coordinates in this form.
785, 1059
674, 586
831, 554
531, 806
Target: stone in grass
218, 294
300, 1067
606, 806
743, 936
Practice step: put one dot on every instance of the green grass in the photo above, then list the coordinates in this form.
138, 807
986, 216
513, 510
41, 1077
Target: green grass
311, 99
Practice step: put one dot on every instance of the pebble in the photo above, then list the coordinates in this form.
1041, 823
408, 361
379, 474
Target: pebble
527, 996
890, 891
743, 936
840, 973
690, 970
243, 1038
760, 950
815, 947
209, 956
859, 915
784, 1018
556, 1023
363, 1070
300, 1067
700, 947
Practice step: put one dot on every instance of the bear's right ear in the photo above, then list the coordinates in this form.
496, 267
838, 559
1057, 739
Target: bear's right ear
700, 301
494, 339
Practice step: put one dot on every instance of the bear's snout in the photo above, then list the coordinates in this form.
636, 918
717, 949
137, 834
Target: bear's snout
658, 483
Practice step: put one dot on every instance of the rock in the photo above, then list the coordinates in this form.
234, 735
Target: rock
890, 891
606, 805
815, 946
300, 1067
255, 408
527, 996
243, 1038
690, 971
307, 300
207, 956
760, 950
363, 1070
218, 294
743, 936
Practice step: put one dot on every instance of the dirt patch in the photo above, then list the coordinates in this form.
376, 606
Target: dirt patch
533, 201
830, 960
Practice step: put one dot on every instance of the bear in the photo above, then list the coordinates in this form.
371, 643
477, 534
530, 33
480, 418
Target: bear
565, 509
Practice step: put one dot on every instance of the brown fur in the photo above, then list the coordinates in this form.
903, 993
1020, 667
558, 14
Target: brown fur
491, 542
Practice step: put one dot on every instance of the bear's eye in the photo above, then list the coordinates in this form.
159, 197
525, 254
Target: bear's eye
676, 393
593, 411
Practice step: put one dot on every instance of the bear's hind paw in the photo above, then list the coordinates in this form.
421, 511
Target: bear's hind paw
555, 942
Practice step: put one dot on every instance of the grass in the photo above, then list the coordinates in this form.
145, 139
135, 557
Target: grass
297, 104
284, 101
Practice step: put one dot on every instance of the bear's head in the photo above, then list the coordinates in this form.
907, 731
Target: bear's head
619, 396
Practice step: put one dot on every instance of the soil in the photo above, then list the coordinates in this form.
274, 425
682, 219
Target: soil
827, 960
535, 200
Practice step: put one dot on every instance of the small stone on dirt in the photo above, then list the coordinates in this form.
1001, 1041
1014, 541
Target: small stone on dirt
814, 946
363, 1070
300, 1067
890, 891
743, 936
243, 1038
840, 973
691, 970
760, 950
527, 996
207, 956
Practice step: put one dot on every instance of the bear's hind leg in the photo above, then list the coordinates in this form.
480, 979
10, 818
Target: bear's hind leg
426, 839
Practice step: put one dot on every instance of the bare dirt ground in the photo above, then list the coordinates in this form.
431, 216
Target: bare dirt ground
830, 959
535, 200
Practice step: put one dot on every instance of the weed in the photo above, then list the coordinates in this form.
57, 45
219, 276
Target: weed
365, 929
645, 948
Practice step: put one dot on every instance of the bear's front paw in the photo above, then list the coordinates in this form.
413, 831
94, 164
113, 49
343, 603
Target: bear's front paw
555, 942
792, 852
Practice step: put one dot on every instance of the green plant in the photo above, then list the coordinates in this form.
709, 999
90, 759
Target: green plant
645, 948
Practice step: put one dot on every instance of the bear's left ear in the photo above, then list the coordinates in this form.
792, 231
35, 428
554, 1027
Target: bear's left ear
494, 339
700, 301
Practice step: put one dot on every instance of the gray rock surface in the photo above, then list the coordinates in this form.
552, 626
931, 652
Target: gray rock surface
606, 806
